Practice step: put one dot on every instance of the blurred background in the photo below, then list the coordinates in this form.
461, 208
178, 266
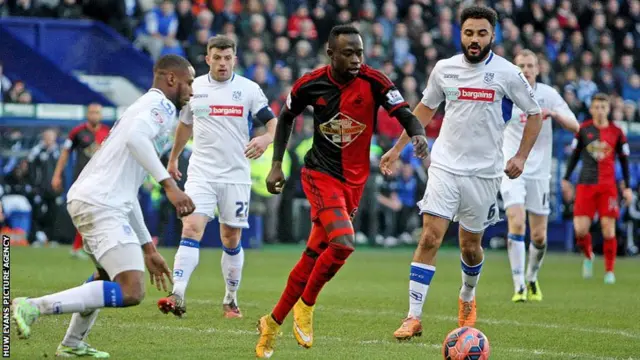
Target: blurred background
65, 63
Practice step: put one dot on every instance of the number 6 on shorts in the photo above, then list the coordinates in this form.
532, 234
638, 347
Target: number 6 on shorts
492, 212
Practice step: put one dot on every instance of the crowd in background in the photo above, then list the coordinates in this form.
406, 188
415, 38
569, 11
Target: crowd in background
583, 46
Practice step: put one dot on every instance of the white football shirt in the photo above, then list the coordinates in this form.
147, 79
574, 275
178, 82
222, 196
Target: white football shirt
115, 173
221, 114
479, 100
538, 165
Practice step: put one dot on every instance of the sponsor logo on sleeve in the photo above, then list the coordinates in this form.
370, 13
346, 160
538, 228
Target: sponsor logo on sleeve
394, 97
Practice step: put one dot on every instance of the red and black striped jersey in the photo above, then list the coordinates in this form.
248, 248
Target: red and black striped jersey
344, 117
597, 148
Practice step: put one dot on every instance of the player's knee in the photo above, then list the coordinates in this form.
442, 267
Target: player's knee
132, 286
581, 231
470, 249
539, 236
192, 229
230, 237
346, 240
193, 226
429, 240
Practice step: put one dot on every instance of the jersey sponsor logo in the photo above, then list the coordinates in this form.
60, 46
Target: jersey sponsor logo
236, 95
470, 94
394, 97
226, 110
450, 76
599, 150
200, 96
342, 130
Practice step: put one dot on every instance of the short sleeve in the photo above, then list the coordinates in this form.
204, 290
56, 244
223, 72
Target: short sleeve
385, 91
521, 93
433, 94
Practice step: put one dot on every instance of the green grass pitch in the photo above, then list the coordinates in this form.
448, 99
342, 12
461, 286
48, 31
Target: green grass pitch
356, 314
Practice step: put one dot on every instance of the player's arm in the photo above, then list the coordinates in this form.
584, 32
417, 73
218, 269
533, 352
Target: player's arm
563, 115
424, 115
623, 151
140, 143
184, 131
521, 93
264, 114
136, 219
296, 102
69, 145
432, 96
577, 145
294, 105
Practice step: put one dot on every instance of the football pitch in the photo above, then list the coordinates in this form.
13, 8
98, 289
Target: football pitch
356, 314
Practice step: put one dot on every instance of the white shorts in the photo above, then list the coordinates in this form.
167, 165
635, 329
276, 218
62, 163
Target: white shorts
469, 200
231, 201
533, 194
107, 237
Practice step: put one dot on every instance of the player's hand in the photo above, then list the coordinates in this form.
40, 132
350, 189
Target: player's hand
420, 146
257, 146
546, 113
172, 168
388, 160
158, 270
514, 167
56, 183
627, 194
181, 201
567, 190
275, 180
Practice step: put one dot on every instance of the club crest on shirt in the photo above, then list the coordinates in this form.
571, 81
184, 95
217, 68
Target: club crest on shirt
342, 130
599, 149
236, 95
488, 77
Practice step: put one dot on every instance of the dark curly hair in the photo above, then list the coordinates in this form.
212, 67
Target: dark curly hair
479, 12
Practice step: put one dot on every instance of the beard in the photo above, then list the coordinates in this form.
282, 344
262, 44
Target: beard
474, 59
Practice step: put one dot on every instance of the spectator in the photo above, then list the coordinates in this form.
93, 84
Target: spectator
69, 9
5, 83
158, 33
631, 89
46, 204
13, 95
197, 52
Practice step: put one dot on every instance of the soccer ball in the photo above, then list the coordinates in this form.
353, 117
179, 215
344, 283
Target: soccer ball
466, 343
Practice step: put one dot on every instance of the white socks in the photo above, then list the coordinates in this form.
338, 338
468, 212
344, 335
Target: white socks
517, 253
79, 328
536, 255
232, 262
86, 297
470, 277
419, 281
186, 260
